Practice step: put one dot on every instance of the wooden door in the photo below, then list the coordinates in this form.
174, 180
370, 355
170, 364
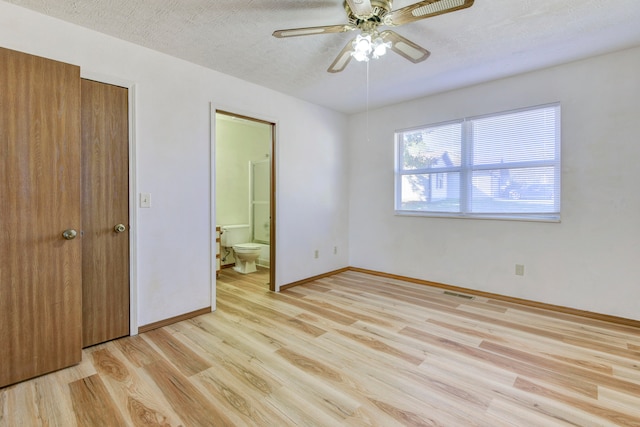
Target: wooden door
105, 206
40, 271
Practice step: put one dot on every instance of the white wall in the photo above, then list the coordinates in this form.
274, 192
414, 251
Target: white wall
588, 261
173, 126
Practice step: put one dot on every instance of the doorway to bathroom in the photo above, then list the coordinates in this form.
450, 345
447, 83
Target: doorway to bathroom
244, 192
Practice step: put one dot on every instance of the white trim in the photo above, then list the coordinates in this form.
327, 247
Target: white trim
133, 191
212, 216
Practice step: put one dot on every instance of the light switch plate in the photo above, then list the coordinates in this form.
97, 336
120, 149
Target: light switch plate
145, 200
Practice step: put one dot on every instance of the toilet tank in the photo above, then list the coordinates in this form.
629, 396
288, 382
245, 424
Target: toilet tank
234, 234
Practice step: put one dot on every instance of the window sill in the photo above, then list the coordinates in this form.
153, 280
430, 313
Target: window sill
553, 218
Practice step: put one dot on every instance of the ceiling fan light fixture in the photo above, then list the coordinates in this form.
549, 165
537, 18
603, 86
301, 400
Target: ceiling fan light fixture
360, 56
362, 48
369, 46
379, 47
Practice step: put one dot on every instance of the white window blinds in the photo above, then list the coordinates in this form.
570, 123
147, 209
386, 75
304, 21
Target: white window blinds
504, 165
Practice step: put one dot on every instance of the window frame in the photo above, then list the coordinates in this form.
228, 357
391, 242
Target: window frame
467, 168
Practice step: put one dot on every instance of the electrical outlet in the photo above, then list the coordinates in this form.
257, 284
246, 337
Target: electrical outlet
316, 254
335, 250
519, 269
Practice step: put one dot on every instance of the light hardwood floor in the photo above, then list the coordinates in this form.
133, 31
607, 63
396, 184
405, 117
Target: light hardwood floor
351, 349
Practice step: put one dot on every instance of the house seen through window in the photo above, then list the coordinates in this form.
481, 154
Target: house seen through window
504, 165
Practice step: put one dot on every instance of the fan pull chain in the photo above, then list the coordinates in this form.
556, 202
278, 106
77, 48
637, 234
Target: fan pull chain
368, 139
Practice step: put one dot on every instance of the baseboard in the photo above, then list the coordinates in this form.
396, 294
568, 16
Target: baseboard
172, 320
528, 303
311, 279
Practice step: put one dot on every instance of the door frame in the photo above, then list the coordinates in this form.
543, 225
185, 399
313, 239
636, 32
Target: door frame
133, 190
273, 200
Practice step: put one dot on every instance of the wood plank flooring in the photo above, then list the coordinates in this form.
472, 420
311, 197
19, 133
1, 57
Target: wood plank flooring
351, 349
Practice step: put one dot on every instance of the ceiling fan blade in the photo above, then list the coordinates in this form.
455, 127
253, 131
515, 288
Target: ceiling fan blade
309, 31
360, 8
426, 9
405, 47
342, 59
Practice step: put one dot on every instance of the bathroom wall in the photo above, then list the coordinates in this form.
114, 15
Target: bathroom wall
237, 143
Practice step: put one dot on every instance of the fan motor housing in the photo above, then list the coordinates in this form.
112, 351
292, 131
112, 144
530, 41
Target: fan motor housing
379, 8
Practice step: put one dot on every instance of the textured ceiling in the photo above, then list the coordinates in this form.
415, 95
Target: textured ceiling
492, 39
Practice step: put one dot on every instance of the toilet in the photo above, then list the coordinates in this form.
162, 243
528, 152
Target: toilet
245, 254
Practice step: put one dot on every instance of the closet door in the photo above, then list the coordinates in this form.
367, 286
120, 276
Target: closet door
105, 212
40, 270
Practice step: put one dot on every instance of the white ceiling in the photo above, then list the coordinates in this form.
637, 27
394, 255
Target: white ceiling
492, 39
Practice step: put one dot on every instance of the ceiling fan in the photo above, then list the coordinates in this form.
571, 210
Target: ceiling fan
367, 16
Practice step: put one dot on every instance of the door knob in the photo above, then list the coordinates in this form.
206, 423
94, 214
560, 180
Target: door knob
120, 228
69, 234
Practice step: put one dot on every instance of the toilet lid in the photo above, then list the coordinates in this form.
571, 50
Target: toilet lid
246, 246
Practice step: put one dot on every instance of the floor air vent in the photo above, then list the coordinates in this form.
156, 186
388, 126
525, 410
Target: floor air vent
455, 294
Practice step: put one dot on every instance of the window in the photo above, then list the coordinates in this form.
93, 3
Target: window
504, 165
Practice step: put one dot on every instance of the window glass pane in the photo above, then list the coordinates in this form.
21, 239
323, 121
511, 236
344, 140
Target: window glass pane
506, 165
520, 190
515, 137
433, 192
433, 147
